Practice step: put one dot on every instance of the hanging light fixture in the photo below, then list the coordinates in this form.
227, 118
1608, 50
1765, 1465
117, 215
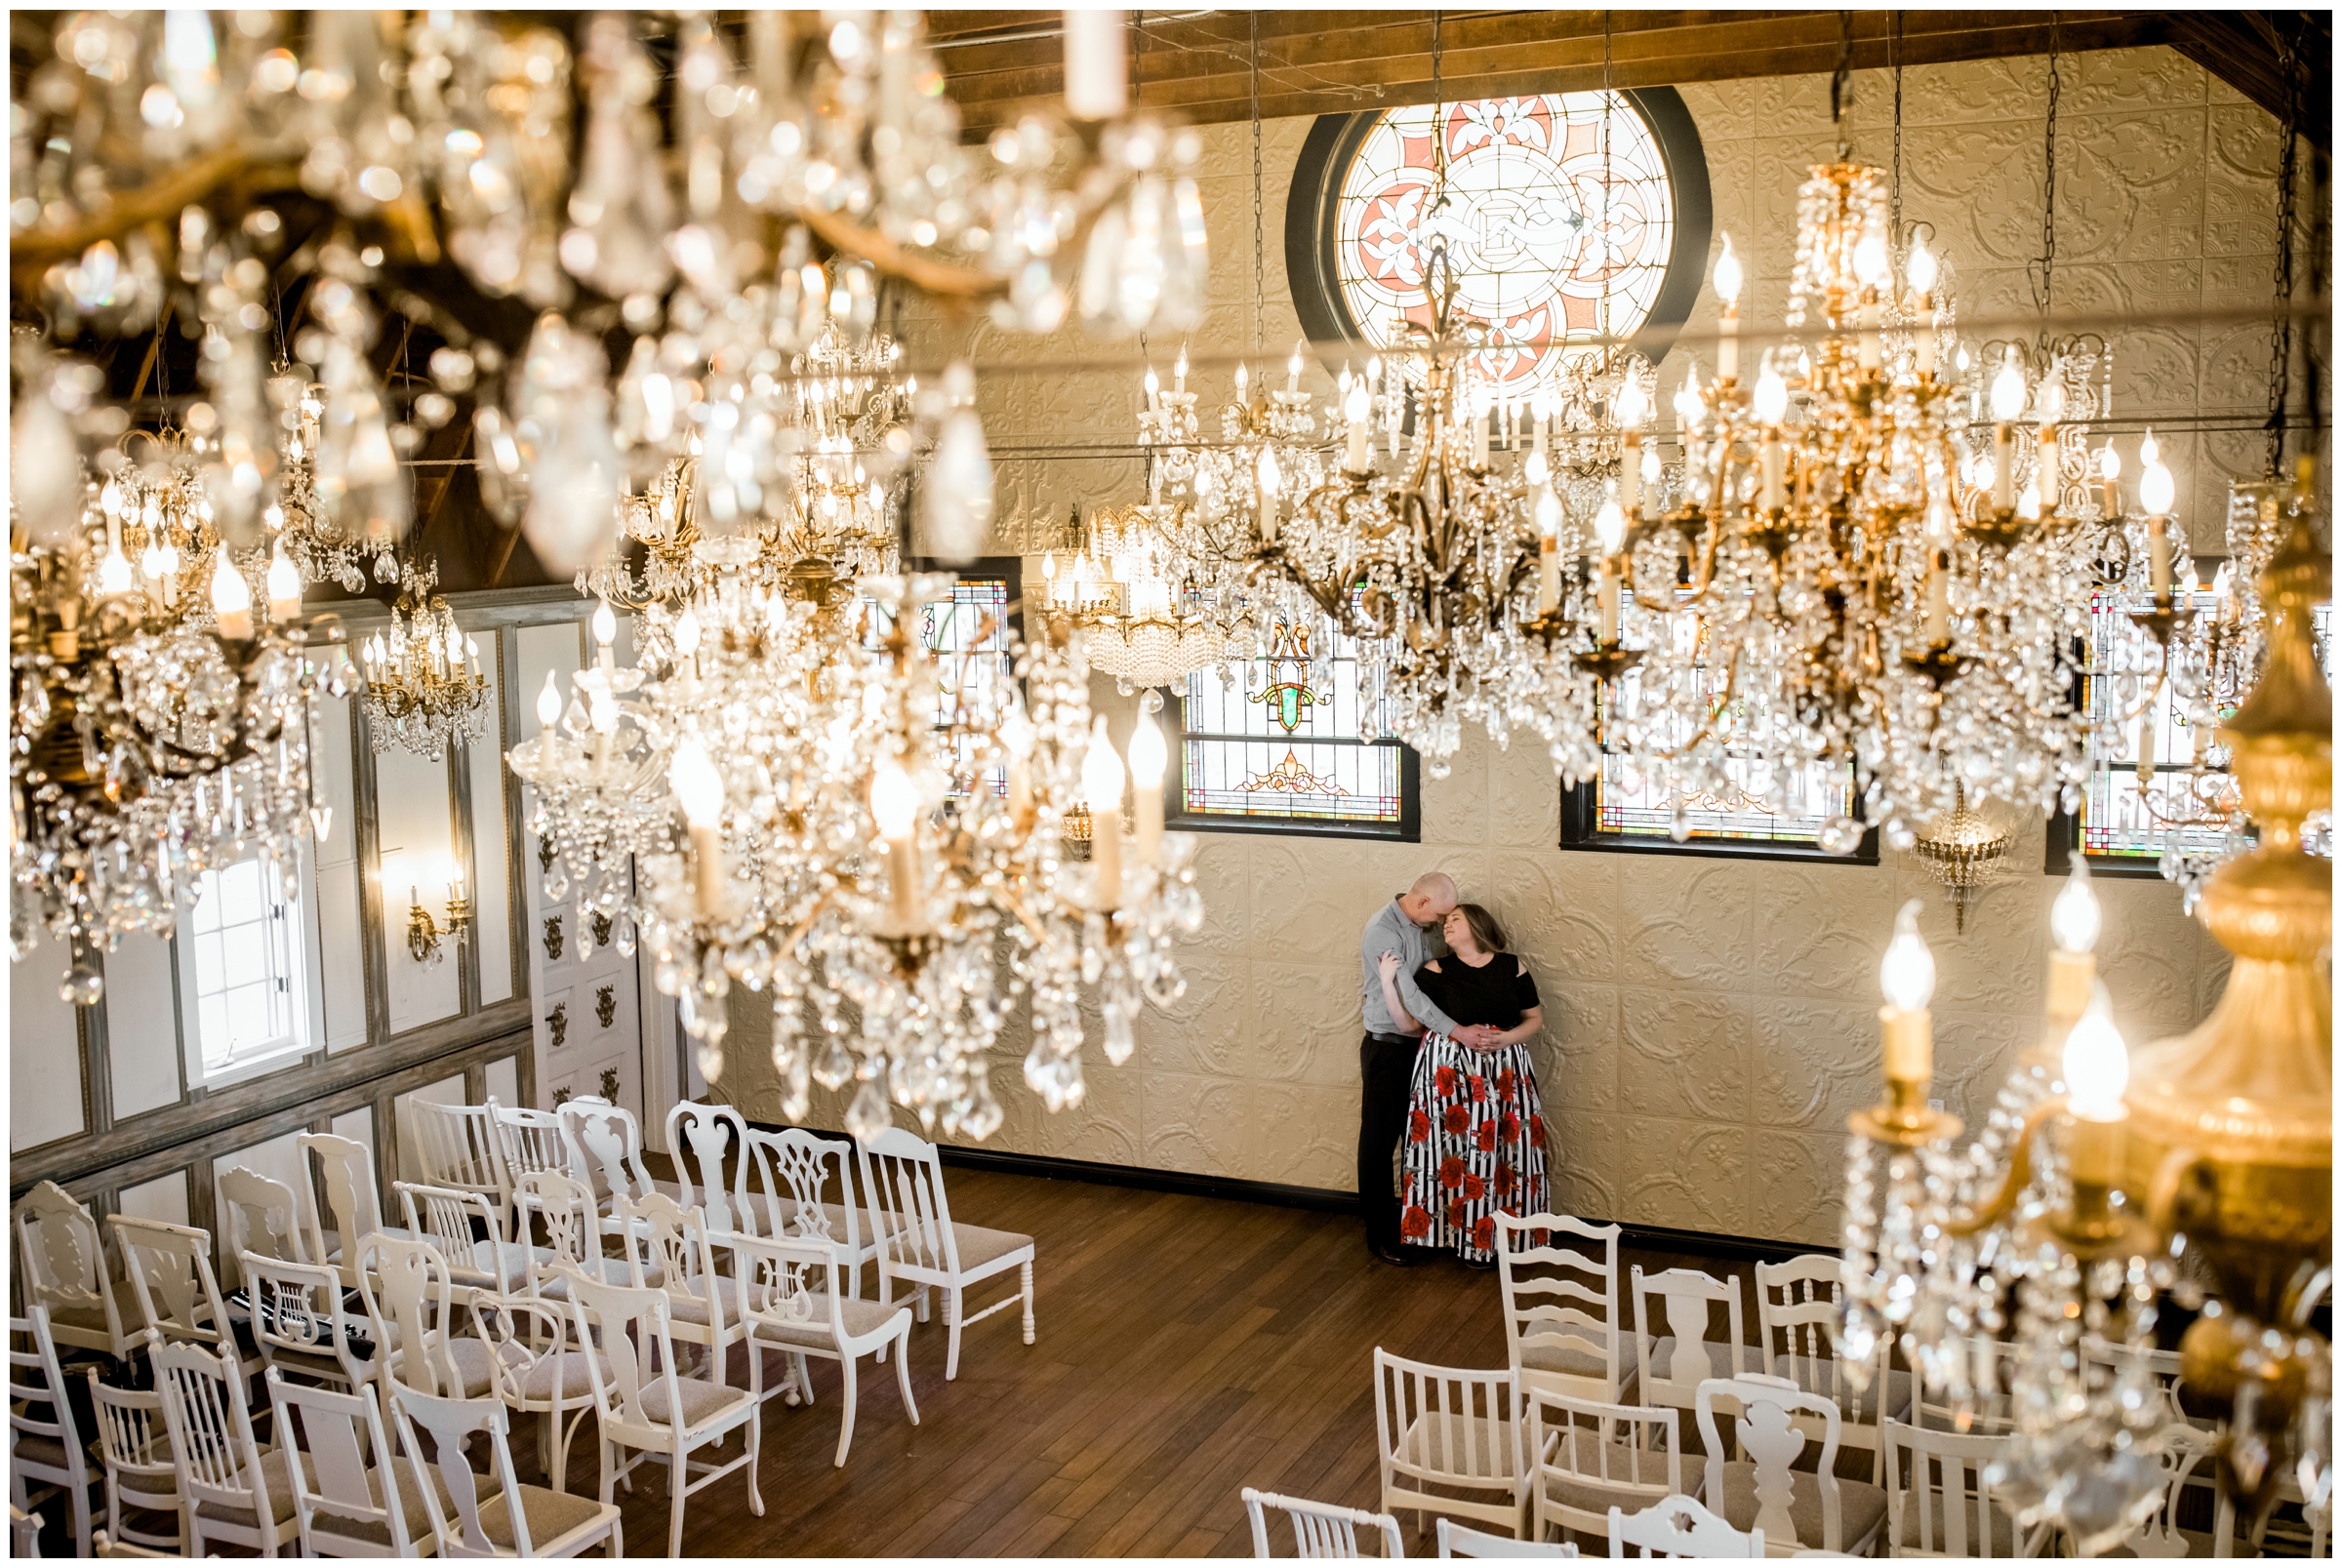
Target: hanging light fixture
425, 690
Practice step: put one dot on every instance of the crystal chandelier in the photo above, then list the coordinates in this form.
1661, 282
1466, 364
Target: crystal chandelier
1143, 621
304, 522
425, 690
1962, 851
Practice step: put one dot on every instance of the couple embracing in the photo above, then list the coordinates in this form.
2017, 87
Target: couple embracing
1445, 1069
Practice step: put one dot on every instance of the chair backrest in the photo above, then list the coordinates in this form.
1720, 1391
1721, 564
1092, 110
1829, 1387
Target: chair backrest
1561, 1317
345, 1476
451, 1425
211, 1432
34, 1379
1798, 1315
169, 1268
700, 1137
1461, 1541
605, 1148
527, 1139
1672, 1375
351, 1206
638, 1352
787, 1283
1974, 1396
1939, 1501
59, 1249
1443, 1426
408, 1295
444, 1217
133, 1440
2140, 1372
257, 1214
789, 1173
297, 1311
668, 1250
903, 1182
1589, 1456
456, 1146
1769, 1434
520, 1331
564, 1207
2180, 1449
1319, 1529
1679, 1527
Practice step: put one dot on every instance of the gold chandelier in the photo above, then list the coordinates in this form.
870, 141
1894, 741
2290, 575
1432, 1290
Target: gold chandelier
425, 690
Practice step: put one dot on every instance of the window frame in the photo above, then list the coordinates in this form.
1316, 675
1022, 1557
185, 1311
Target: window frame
1581, 810
307, 1040
1408, 830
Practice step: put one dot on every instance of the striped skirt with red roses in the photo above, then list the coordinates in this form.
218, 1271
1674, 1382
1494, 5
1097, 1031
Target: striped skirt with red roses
1476, 1147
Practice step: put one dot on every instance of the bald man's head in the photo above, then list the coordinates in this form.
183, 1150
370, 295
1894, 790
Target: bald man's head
1428, 902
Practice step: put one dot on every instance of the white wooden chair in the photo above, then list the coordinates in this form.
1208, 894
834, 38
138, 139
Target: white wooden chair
2150, 1372
535, 1371
1793, 1507
2183, 1448
1319, 1529
1983, 1409
786, 1181
1670, 1366
1680, 1527
63, 1259
526, 1140
1589, 1456
646, 1404
170, 1268
1441, 1431
352, 1209
605, 1152
667, 1249
450, 1218
1939, 1503
24, 1532
791, 1301
919, 1246
123, 1549
562, 1208
44, 1448
1461, 1541
135, 1444
257, 1214
1562, 1327
492, 1515
346, 1491
231, 1492
299, 1325
410, 1303
701, 1139
1797, 1314
456, 1146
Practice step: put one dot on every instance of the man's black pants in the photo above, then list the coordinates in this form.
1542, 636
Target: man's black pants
1386, 1072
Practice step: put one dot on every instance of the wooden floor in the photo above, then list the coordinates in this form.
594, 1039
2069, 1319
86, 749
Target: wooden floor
1187, 1347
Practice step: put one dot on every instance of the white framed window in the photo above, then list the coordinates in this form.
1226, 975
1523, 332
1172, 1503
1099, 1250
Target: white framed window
248, 958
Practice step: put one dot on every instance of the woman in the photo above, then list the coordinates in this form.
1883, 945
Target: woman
1476, 1134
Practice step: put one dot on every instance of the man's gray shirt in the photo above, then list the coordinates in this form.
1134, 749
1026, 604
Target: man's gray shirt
1390, 930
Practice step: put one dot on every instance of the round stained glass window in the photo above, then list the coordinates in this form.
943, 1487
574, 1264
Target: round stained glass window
1563, 215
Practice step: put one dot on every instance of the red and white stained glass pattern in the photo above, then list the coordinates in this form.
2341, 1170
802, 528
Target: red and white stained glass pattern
1544, 251
1288, 748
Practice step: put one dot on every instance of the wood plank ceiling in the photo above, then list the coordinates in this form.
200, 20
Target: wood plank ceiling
1001, 64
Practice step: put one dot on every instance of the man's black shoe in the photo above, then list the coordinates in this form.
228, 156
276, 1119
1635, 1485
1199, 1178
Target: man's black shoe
1481, 1263
1402, 1257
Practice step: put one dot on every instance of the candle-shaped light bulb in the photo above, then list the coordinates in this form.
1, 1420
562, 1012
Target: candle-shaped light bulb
687, 633
1179, 371
2009, 391
1921, 269
605, 636
1610, 525
1633, 404
113, 572
699, 791
1293, 367
1906, 972
1149, 755
894, 801
1154, 388
2156, 491
1272, 484
1727, 276
231, 599
1355, 407
1536, 470
1548, 514
548, 704
1689, 405
1872, 266
1244, 381
1102, 781
2073, 916
2097, 1064
1771, 401
1652, 471
284, 587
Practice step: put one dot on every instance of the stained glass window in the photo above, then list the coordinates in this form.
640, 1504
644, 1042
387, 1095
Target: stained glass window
969, 636
1550, 237
1283, 742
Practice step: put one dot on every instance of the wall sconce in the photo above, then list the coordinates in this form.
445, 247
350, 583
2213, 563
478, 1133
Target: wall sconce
425, 933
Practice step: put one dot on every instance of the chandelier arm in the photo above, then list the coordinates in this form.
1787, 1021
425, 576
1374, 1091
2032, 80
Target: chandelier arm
36, 249
2014, 1180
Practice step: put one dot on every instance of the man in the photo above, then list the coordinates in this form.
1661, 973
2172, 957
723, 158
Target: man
1387, 1056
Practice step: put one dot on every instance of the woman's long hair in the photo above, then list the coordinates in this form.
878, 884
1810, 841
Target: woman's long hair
1485, 930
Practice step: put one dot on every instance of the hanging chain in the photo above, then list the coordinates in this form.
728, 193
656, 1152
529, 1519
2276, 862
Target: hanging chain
1260, 295
1439, 114
1841, 80
2280, 309
2048, 258
1609, 350
1895, 216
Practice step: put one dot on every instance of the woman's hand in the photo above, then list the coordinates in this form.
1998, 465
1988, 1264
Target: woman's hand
1388, 964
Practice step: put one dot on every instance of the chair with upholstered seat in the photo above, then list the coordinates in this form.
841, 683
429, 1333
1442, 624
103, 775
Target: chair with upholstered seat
257, 1214
410, 1301
1984, 1408
1681, 1527
789, 1301
1587, 1457
787, 1178
1794, 1508
526, 1140
352, 1209
605, 1152
667, 1249
1938, 1501
1449, 1442
346, 1494
1671, 1365
169, 1268
709, 1145
1562, 1326
492, 1514
536, 1371
457, 1148
44, 1448
562, 1209
63, 1259
453, 1219
920, 1247
136, 1447
299, 1325
1319, 1529
647, 1404
230, 1489
1798, 1314
1462, 1541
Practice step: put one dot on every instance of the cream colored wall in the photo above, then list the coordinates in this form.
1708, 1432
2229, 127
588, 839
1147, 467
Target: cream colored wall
1710, 1022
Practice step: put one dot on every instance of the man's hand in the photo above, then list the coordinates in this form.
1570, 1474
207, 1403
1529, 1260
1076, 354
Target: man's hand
1476, 1036
1388, 964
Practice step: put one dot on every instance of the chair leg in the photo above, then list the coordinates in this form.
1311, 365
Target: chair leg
1025, 1275
952, 1314
677, 1473
846, 1427
902, 1380
755, 1459
81, 1521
